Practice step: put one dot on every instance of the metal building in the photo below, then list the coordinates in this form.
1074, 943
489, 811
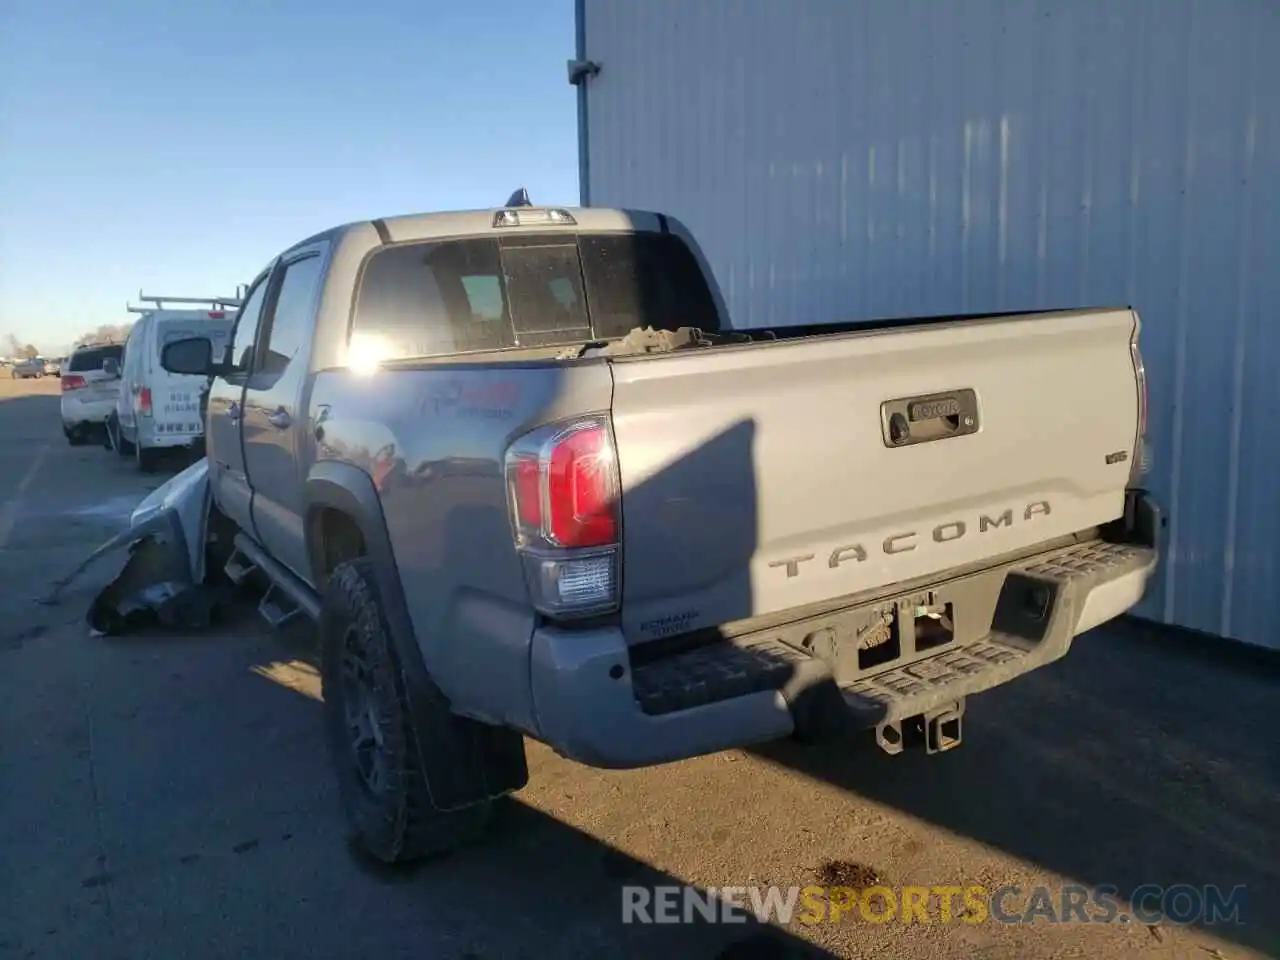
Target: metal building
847, 159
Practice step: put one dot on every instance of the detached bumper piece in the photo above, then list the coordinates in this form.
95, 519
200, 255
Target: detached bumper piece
163, 581
155, 587
904, 666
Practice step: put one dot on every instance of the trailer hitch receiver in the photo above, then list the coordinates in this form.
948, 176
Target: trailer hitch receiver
943, 727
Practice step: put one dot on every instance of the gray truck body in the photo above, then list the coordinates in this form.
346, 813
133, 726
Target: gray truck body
841, 528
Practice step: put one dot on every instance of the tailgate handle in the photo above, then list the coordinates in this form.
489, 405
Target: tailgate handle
907, 421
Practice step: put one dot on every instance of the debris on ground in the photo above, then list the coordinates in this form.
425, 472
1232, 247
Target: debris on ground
847, 873
163, 581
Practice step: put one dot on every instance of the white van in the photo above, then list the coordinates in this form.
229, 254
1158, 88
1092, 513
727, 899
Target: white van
158, 410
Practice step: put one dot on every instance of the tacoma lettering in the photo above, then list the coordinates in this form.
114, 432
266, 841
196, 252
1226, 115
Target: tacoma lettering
792, 564
947, 532
985, 523
852, 552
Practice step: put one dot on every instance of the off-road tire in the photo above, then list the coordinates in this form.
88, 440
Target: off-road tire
398, 822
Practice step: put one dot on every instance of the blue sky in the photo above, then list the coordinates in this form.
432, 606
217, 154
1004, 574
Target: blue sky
177, 147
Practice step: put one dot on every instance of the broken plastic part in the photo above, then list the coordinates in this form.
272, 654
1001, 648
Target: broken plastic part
164, 578
651, 340
153, 587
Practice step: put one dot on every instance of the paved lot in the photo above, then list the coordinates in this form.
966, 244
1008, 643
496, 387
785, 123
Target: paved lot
167, 796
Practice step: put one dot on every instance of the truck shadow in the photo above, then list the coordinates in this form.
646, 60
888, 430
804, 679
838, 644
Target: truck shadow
1131, 762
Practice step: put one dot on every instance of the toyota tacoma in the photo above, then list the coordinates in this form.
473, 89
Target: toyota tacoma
530, 482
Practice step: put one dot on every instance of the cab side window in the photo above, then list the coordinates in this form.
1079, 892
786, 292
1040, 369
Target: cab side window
292, 316
246, 333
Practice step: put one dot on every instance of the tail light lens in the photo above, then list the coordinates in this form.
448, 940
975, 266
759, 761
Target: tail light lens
563, 492
144, 401
1141, 448
72, 381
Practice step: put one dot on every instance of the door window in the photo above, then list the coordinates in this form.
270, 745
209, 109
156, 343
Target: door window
246, 332
292, 317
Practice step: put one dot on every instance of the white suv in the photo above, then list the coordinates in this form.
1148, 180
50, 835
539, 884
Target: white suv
90, 386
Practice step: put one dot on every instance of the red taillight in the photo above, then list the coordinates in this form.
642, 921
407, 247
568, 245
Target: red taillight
72, 381
144, 401
563, 486
581, 490
563, 483
217, 315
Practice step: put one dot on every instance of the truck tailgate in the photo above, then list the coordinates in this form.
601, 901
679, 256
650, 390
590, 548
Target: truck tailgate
760, 478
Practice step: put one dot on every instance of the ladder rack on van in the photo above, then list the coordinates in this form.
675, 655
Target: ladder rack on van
212, 303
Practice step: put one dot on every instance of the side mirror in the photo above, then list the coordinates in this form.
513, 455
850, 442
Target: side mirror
193, 355
111, 367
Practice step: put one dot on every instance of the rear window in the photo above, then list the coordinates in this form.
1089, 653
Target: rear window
91, 357
459, 296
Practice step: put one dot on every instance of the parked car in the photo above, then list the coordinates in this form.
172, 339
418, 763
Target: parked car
90, 386
53, 368
666, 537
157, 410
28, 369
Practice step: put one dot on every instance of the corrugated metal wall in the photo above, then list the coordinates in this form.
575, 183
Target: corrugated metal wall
851, 158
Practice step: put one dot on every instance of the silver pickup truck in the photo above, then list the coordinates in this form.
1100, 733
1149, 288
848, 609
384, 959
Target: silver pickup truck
529, 482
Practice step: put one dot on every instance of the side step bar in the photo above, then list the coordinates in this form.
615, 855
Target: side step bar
286, 598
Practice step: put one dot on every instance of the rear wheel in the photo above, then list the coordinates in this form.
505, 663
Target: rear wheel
377, 753
147, 458
76, 436
118, 443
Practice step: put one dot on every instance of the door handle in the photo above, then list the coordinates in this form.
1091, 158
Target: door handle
322, 415
280, 419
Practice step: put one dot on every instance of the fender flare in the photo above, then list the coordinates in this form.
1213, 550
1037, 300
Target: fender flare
490, 761
346, 488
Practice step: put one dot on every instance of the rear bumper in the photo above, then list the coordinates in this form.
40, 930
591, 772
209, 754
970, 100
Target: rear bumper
594, 706
150, 436
76, 412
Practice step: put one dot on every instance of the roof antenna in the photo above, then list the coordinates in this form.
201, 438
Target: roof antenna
519, 199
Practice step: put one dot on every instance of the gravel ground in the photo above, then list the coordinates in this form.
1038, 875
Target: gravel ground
167, 796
